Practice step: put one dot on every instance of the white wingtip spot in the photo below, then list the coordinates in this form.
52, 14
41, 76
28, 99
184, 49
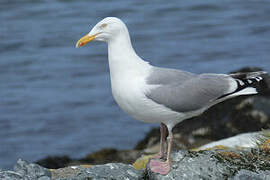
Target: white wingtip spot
258, 78
240, 82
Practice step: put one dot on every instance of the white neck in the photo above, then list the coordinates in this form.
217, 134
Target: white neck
122, 57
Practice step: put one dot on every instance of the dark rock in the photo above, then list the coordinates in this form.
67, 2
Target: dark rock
109, 155
55, 162
143, 144
232, 117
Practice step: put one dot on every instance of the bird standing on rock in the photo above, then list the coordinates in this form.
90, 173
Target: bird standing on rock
160, 95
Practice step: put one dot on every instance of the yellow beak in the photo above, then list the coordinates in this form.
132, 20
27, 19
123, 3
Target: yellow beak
85, 39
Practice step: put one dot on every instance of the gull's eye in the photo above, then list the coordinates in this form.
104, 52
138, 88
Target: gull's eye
103, 25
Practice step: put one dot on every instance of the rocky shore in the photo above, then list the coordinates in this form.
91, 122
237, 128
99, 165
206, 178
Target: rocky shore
251, 159
208, 164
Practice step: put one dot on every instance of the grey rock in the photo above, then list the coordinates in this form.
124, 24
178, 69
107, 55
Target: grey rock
44, 178
32, 171
245, 174
114, 171
11, 175
210, 165
111, 171
25, 171
187, 166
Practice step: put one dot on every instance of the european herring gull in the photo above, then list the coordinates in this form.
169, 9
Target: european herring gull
161, 95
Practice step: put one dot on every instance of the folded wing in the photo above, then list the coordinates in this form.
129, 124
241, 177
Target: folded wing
183, 91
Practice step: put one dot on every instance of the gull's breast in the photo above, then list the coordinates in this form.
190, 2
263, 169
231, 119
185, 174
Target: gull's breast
129, 93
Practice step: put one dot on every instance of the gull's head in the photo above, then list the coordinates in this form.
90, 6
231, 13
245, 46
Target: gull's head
105, 30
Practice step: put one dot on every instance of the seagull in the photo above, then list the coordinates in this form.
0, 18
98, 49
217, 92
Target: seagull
161, 95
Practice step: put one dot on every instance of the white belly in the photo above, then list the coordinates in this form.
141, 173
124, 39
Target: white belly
130, 96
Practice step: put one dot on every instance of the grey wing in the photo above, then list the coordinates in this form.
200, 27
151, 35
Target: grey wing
166, 76
193, 93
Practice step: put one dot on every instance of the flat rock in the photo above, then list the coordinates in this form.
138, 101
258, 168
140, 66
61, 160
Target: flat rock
244, 140
109, 171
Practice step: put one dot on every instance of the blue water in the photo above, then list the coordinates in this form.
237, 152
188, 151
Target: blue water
56, 100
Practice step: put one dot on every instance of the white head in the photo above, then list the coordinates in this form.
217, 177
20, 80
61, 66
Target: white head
106, 30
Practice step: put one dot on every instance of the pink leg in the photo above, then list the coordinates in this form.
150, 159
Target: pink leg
162, 140
162, 167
